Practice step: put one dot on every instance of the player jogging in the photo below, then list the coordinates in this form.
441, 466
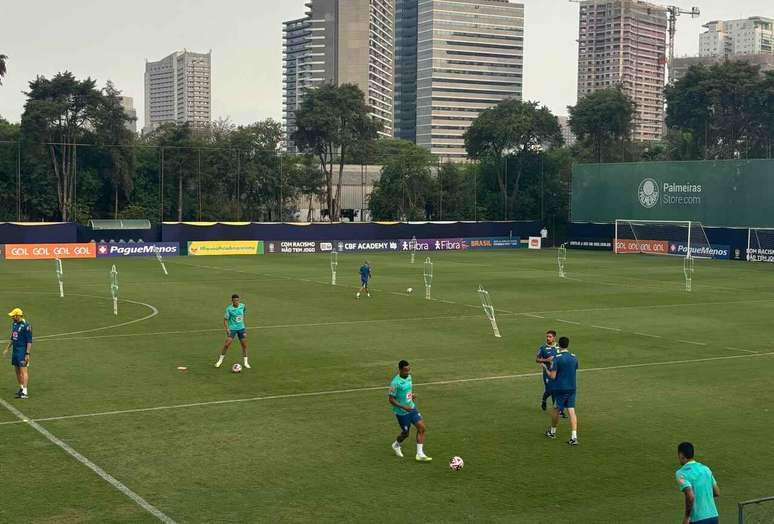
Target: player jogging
545, 355
401, 399
20, 343
365, 274
234, 323
563, 371
698, 486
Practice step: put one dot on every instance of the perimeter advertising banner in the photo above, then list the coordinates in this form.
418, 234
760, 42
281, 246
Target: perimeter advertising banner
141, 249
728, 193
50, 251
366, 245
717, 252
225, 247
492, 243
298, 246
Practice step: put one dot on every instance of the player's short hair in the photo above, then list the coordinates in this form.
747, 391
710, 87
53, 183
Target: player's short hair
402, 364
685, 449
234, 296
564, 342
551, 332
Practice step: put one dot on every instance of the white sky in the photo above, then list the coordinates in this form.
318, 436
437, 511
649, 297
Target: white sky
102, 40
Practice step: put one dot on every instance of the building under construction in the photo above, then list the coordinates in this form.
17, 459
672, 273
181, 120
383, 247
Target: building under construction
624, 43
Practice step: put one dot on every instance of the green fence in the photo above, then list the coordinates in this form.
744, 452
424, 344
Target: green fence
729, 193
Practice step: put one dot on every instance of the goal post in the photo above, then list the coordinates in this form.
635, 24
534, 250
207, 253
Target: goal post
760, 244
757, 511
683, 238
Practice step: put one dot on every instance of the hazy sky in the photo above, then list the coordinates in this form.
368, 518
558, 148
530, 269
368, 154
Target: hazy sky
110, 41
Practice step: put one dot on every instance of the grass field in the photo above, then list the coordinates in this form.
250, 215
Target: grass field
305, 435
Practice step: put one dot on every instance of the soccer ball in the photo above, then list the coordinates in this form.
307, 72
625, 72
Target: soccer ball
236, 368
410, 290
456, 463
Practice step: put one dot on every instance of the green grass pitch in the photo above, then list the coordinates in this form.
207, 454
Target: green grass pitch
305, 434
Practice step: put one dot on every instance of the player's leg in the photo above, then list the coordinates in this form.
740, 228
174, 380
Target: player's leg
551, 431
17, 371
243, 343
405, 426
546, 394
570, 409
421, 429
23, 380
365, 286
226, 345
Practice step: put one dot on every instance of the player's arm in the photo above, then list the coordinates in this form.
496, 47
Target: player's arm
393, 401
28, 339
715, 489
690, 499
551, 371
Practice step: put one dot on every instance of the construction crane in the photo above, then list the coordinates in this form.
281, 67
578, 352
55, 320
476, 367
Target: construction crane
674, 12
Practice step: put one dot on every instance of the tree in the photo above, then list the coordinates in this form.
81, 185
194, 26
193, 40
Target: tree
406, 185
726, 108
507, 135
333, 120
117, 156
58, 114
178, 144
601, 118
3, 69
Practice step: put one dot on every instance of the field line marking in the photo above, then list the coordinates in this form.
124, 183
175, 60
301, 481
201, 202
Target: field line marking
569, 322
640, 334
382, 387
740, 349
271, 326
607, 328
692, 342
107, 477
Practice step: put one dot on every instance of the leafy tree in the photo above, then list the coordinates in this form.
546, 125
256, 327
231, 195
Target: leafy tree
59, 113
602, 118
503, 138
457, 191
406, 185
726, 108
178, 146
117, 158
331, 122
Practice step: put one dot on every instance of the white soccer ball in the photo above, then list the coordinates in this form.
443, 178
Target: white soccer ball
236, 368
410, 290
456, 463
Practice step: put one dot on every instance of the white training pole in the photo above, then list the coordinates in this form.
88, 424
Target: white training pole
428, 277
334, 264
486, 304
114, 288
161, 260
60, 277
413, 248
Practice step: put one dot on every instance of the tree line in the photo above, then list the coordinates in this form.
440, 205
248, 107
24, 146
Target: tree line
78, 159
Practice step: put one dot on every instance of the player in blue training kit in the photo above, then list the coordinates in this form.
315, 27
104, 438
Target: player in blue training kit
20, 344
401, 398
234, 323
545, 355
563, 371
699, 487
365, 274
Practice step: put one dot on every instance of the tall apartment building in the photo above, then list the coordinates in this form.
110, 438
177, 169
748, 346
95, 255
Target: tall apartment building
341, 41
453, 60
178, 89
623, 43
127, 102
727, 38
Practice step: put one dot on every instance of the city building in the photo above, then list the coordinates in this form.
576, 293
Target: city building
453, 60
127, 103
178, 89
683, 64
622, 43
341, 41
567, 134
727, 38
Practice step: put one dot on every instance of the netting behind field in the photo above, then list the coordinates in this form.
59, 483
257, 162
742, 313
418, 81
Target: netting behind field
662, 238
760, 511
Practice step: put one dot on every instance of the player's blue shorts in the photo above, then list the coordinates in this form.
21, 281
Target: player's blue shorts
405, 421
17, 357
234, 333
563, 399
712, 520
364, 282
